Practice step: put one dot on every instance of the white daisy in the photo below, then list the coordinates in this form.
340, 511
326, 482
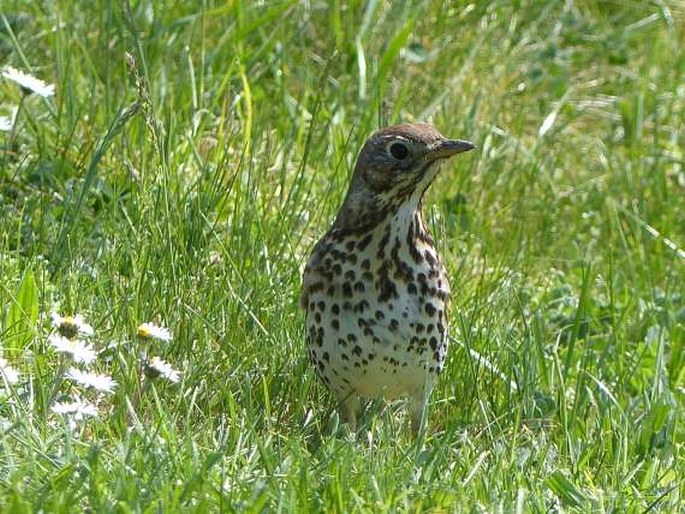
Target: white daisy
7, 122
152, 331
8, 373
102, 383
29, 82
71, 326
78, 408
80, 351
158, 367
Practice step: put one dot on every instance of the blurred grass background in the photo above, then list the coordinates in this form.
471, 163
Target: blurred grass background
186, 183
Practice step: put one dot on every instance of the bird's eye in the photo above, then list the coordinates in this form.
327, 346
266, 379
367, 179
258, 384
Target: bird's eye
399, 151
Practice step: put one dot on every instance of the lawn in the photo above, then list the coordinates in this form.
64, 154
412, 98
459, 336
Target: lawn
192, 153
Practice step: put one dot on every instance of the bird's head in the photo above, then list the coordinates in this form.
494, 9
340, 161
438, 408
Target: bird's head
396, 165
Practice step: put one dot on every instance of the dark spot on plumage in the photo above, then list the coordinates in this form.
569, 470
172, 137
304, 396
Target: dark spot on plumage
403, 271
415, 254
372, 356
337, 269
331, 290
357, 365
347, 305
433, 342
379, 315
342, 342
395, 252
430, 328
365, 362
335, 309
411, 288
347, 290
394, 324
430, 309
376, 340
352, 258
350, 275
359, 287
311, 306
326, 357
357, 350
363, 243
321, 366
368, 332
410, 234
386, 287
367, 276
317, 317
321, 305
352, 338
419, 327
335, 324
425, 236
361, 306
344, 357
349, 245
315, 288
380, 254
366, 264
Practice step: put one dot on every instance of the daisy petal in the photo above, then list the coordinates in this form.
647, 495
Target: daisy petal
29, 82
152, 331
80, 351
102, 383
158, 367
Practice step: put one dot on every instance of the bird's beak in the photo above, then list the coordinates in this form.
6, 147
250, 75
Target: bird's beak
450, 147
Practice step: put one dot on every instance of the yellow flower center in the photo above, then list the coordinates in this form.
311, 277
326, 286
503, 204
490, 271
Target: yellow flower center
144, 332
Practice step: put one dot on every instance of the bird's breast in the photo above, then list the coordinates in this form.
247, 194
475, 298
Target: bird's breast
377, 308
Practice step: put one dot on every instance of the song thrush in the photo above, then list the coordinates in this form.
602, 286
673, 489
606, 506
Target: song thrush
374, 289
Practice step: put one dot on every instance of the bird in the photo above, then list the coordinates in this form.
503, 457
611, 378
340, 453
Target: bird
374, 289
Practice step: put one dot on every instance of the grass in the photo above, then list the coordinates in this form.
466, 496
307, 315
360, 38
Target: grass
185, 184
